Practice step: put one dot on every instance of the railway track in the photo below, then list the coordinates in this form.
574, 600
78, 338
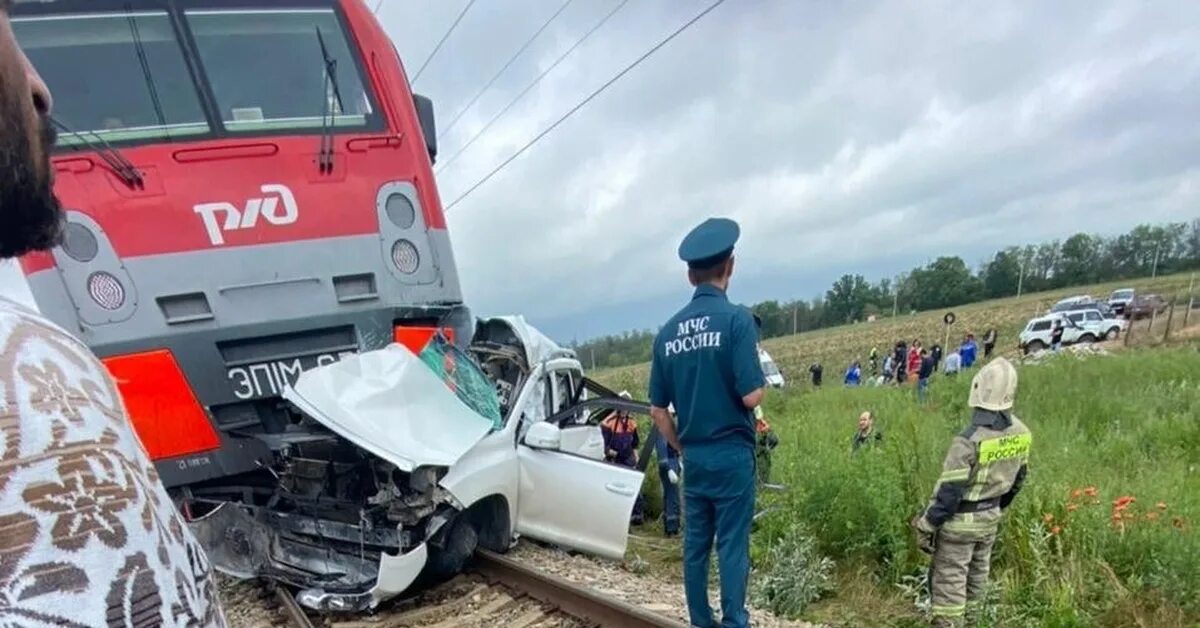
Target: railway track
495, 591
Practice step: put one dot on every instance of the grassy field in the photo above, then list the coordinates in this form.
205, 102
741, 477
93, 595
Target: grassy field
1103, 535
835, 347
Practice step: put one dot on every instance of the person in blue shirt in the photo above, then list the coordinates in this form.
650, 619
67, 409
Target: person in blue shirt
967, 351
668, 474
853, 374
704, 362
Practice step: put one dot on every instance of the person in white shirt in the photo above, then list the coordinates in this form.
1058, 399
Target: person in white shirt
953, 363
88, 534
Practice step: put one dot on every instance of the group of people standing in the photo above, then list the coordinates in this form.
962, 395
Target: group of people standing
915, 364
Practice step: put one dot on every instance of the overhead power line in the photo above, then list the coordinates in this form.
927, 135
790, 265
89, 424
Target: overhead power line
507, 64
532, 84
584, 102
377, 5
441, 41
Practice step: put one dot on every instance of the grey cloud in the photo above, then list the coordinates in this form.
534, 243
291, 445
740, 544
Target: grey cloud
844, 137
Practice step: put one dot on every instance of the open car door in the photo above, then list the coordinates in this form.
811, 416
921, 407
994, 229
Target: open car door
571, 500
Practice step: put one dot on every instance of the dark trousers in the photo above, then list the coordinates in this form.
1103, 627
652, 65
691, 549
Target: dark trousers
719, 504
670, 498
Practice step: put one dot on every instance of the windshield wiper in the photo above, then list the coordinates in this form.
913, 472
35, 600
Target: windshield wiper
328, 113
123, 168
136, 35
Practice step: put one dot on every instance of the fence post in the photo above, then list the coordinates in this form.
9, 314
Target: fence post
1187, 314
1170, 315
1129, 332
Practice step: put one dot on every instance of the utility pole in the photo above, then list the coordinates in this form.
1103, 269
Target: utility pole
1020, 278
1154, 269
895, 300
1187, 314
795, 320
593, 358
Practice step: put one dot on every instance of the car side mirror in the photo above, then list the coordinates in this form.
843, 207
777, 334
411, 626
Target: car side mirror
424, 107
542, 435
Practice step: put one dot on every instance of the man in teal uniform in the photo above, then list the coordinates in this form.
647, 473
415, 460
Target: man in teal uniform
706, 364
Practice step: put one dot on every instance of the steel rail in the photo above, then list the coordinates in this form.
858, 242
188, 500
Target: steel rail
570, 598
291, 608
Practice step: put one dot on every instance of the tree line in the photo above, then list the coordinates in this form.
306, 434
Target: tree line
1081, 259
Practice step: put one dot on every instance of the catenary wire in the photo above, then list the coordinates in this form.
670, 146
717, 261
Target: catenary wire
584, 102
505, 67
441, 41
445, 164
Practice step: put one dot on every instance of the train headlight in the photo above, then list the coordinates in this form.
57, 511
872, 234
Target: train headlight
80, 243
405, 256
106, 290
400, 211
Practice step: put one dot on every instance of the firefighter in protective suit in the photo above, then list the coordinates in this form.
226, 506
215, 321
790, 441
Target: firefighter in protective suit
983, 472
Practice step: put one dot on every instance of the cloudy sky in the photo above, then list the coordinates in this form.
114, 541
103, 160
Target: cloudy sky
844, 137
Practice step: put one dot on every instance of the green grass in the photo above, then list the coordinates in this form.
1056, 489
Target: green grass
1127, 424
835, 347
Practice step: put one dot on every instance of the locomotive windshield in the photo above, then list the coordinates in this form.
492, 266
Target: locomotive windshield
125, 76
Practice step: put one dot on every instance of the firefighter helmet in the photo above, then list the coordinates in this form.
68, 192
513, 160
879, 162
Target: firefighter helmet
994, 387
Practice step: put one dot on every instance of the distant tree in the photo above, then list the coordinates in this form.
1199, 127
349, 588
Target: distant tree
776, 320
945, 281
1192, 244
847, 298
1044, 262
1002, 275
1078, 260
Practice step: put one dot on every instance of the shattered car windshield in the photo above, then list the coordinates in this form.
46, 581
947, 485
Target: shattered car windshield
463, 378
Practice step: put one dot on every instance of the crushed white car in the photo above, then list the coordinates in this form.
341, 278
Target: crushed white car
403, 464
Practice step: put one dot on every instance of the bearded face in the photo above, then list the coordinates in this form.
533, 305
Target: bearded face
31, 218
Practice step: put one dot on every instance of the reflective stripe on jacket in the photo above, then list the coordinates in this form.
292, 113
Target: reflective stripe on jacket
987, 462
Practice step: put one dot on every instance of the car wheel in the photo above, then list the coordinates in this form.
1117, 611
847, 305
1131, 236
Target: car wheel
1112, 333
1035, 346
1087, 339
447, 559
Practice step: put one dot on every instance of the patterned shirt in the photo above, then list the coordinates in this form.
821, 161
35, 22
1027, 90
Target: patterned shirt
88, 534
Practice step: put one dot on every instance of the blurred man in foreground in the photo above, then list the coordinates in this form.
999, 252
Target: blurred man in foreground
88, 535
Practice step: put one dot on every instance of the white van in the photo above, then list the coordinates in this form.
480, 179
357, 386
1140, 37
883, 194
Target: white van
770, 371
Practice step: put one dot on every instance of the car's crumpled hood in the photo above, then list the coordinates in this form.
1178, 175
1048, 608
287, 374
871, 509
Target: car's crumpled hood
391, 404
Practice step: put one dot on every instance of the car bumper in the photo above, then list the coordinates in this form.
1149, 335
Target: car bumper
396, 574
241, 545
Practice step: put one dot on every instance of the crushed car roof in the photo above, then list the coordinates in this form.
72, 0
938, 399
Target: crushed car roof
538, 346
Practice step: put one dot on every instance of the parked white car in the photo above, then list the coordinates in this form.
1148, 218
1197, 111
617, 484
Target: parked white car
1078, 326
770, 371
1093, 320
423, 461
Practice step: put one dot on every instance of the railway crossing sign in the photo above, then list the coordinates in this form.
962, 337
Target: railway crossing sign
949, 320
